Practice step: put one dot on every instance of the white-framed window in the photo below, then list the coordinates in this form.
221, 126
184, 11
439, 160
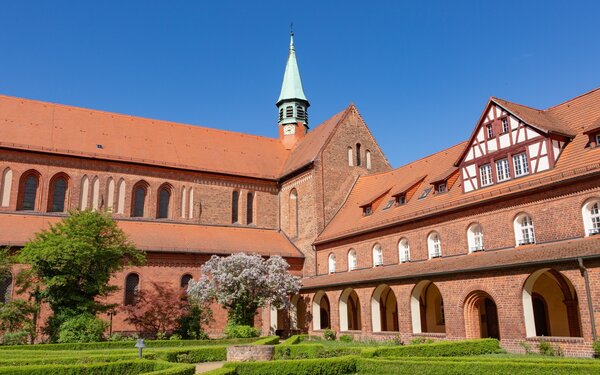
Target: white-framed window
475, 237
502, 170
597, 139
434, 245
403, 250
521, 164
485, 175
591, 217
442, 187
505, 125
352, 260
490, 131
524, 231
332, 263
377, 255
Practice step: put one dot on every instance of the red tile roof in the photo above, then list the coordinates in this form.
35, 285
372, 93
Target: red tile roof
523, 255
53, 128
576, 160
17, 229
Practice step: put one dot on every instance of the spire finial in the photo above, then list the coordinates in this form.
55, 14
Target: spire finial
292, 36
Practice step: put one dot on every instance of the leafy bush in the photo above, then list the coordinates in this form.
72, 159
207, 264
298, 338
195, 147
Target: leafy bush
233, 331
174, 337
327, 366
329, 334
82, 328
438, 349
525, 345
15, 338
545, 348
421, 340
190, 324
596, 347
346, 338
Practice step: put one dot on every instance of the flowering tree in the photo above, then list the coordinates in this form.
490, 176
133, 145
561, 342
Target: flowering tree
244, 283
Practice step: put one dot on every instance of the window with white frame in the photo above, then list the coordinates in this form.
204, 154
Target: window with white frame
485, 175
331, 263
502, 170
377, 255
505, 125
475, 237
352, 260
591, 217
434, 245
524, 232
403, 250
490, 131
521, 164
597, 139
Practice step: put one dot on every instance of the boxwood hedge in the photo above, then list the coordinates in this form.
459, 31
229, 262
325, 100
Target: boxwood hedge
110, 368
438, 349
326, 366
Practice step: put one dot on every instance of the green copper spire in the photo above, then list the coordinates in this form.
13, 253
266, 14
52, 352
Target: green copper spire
291, 87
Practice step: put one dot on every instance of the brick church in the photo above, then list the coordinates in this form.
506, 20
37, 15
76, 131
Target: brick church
492, 237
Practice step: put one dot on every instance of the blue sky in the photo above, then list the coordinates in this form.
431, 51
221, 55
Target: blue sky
419, 72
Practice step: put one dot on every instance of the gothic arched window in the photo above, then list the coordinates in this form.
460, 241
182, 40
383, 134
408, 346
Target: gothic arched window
185, 280
6, 187
28, 187
140, 190
250, 208
164, 201
58, 193
358, 154
132, 286
235, 201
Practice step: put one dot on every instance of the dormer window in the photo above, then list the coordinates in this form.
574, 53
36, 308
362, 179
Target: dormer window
442, 188
490, 131
389, 204
425, 193
400, 199
597, 139
368, 210
505, 125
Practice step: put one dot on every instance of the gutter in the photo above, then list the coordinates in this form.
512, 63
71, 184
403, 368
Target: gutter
584, 273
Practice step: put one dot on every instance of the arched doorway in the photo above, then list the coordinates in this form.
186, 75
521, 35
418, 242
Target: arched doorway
350, 317
550, 305
298, 313
384, 309
321, 311
427, 308
481, 316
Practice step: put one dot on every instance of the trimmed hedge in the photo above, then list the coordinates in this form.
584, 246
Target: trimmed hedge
438, 349
128, 344
270, 340
111, 368
222, 371
65, 360
312, 351
195, 355
326, 366
295, 339
451, 367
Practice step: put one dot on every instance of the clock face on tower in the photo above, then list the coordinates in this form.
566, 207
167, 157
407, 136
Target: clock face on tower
289, 129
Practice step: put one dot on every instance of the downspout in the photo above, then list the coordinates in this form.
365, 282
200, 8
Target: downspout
584, 273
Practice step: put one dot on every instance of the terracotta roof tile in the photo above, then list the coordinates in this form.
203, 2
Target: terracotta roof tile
165, 237
576, 160
559, 251
40, 126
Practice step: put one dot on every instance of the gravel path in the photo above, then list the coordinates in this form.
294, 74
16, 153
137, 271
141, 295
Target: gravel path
207, 366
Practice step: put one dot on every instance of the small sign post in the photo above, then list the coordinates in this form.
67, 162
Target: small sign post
140, 345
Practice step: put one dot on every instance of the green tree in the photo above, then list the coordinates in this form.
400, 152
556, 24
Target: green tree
74, 261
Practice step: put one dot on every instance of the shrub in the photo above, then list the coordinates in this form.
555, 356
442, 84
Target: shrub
313, 351
233, 331
15, 338
525, 345
118, 367
421, 340
346, 338
327, 366
190, 324
397, 340
438, 349
194, 355
174, 337
270, 340
82, 328
329, 334
295, 339
545, 348
596, 347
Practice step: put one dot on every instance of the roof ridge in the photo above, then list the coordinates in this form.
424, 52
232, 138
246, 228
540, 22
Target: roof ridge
519, 104
575, 98
166, 122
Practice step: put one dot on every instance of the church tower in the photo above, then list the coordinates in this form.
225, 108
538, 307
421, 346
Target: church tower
292, 104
